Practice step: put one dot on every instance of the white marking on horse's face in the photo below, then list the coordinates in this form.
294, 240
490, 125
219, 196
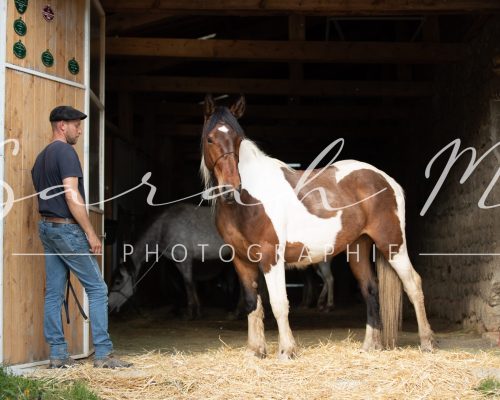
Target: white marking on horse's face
263, 178
223, 128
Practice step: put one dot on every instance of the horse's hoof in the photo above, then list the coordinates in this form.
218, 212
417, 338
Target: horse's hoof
234, 316
188, 316
231, 316
328, 309
428, 345
371, 346
259, 352
286, 355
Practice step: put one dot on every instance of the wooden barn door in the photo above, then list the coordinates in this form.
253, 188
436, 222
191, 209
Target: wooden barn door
47, 62
95, 159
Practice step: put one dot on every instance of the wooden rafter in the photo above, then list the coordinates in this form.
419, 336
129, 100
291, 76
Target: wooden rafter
310, 7
265, 131
289, 112
119, 23
288, 51
270, 86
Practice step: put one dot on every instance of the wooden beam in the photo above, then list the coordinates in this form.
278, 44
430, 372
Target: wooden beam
126, 115
310, 7
431, 31
297, 33
288, 51
289, 112
265, 131
179, 84
119, 23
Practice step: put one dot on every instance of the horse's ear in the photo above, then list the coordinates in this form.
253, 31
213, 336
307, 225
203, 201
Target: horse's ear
238, 108
208, 106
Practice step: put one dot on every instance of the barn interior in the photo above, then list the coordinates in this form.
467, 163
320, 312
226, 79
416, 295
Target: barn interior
397, 83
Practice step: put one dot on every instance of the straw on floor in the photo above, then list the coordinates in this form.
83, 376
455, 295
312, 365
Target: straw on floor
328, 370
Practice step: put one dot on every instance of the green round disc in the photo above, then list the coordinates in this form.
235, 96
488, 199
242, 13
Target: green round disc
47, 58
19, 50
73, 66
20, 27
21, 5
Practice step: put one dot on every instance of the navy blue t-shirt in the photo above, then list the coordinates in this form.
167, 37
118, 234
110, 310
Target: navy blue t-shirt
56, 162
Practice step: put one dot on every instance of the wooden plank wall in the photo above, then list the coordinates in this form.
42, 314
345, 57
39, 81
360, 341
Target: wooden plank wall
96, 220
63, 36
29, 100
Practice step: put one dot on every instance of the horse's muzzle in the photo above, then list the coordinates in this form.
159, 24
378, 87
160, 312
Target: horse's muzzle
229, 195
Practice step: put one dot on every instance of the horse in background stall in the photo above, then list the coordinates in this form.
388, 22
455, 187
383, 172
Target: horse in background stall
273, 214
181, 224
325, 301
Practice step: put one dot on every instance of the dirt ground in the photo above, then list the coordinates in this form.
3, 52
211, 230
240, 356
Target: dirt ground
157, 329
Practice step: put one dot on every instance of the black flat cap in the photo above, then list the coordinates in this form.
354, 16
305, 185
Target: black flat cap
66, 113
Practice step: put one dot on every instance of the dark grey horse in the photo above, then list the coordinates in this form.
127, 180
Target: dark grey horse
325, 300
182, 233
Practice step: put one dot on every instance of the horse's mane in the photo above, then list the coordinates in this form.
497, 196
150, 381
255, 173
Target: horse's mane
259, 154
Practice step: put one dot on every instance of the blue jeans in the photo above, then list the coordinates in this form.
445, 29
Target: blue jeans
67, 248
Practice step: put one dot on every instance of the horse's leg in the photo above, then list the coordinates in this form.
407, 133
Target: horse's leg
240, 310
413, 287
362, 270
276, 286
321, 303
325, 272
249, 275
193, 303
307, 293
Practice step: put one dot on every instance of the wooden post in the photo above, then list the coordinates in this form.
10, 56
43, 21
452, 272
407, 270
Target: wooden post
296, 32
126, 116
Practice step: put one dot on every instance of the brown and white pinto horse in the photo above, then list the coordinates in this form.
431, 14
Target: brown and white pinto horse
272, 215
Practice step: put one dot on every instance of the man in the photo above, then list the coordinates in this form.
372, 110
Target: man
69, 240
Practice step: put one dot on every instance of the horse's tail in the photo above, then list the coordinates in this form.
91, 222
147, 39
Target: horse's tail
391, 301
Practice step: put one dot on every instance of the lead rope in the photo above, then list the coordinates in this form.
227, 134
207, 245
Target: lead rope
66, 300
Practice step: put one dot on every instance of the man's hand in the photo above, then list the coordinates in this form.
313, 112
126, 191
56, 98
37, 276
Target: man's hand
95, 243
77, 208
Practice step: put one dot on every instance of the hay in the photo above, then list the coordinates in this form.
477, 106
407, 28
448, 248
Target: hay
328, 370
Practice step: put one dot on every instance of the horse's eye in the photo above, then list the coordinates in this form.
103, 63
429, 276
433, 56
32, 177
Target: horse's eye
209, 140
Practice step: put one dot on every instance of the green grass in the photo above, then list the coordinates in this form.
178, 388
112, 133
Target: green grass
21, 388
489, 387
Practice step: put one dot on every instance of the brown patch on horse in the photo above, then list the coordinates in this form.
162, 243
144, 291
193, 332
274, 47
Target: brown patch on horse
296, 252
382, 221
313, 199
249, 230
376, 216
